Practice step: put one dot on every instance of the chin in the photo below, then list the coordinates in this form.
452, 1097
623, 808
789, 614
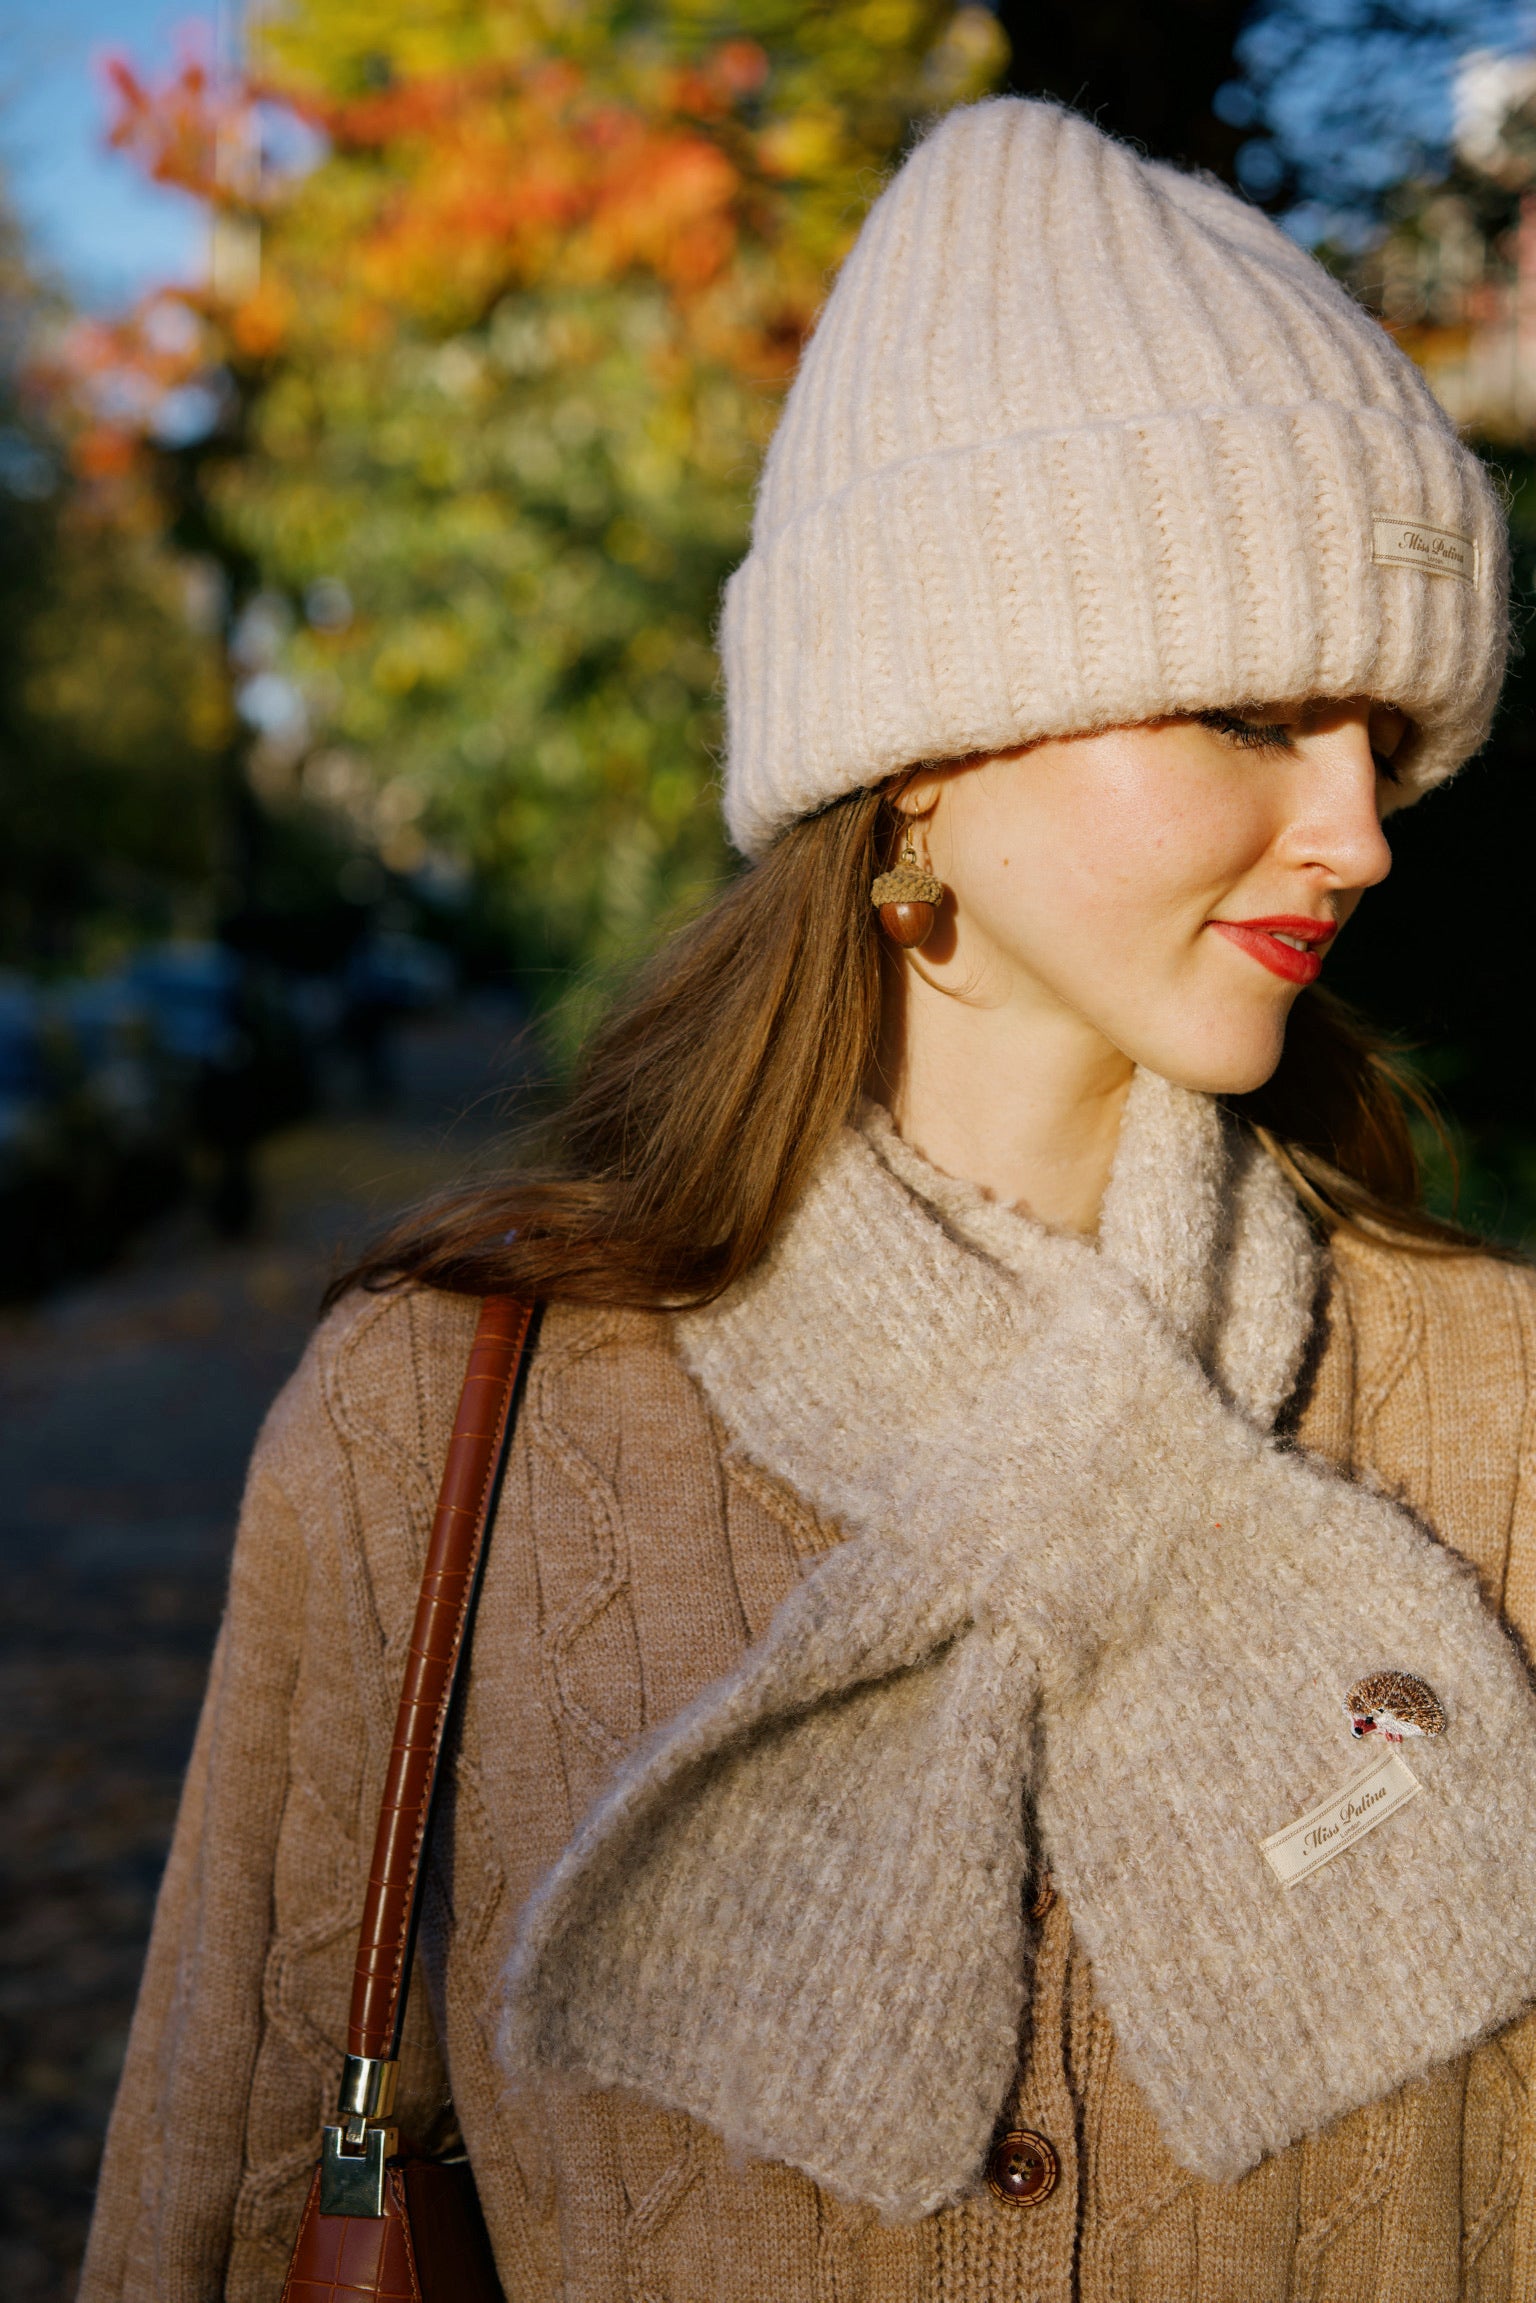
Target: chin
1222, 1062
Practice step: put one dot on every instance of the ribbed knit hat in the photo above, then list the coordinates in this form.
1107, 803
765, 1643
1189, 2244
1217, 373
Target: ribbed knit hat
1081, 441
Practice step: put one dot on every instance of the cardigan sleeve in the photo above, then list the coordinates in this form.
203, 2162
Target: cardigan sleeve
176, 2146
236, 2047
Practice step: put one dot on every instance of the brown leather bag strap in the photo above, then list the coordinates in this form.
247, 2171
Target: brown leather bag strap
477, 1455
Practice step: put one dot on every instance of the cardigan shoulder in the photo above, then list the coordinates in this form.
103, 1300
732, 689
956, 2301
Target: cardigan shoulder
383, 1371
1441, 1354
375, 1394
382, 1375
1397, 1291
375, 1377
615, 1433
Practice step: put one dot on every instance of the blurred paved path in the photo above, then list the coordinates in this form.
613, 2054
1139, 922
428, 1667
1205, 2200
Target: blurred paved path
127, 1411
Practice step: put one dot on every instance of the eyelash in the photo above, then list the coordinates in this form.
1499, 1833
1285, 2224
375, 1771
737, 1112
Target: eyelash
1252, 735
1260, 736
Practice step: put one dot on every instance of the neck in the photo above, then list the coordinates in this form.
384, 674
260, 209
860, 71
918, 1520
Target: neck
1022, 1100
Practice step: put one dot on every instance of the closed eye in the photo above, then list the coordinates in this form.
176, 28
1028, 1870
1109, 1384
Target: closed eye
1252, 735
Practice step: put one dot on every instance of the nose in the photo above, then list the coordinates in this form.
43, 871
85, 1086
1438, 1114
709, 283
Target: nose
1336, 830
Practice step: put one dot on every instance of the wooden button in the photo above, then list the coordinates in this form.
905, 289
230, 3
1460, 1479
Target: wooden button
1022, 2168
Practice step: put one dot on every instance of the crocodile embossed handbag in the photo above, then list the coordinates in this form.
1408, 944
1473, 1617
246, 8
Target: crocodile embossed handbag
379, 2227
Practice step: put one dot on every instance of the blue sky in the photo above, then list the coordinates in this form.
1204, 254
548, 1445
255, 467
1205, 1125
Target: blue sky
90, 217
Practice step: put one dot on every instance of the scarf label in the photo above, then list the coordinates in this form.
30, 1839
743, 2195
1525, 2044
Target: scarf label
1339, 1821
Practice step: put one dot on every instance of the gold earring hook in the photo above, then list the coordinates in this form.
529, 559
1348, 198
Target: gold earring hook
914, 829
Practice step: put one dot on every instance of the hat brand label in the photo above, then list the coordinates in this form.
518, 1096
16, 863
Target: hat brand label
1327, 1830
1410, 544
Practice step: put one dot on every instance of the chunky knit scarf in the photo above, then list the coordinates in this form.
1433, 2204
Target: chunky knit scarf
1089, 1613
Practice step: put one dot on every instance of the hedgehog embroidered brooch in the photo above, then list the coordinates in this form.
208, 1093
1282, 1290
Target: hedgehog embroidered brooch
1391, 1704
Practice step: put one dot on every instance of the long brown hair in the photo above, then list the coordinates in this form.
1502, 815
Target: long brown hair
705, 1100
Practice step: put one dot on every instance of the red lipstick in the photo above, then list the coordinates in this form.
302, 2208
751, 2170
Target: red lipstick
1287, 945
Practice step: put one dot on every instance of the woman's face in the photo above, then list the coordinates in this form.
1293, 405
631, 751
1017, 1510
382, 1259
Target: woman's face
1172, 887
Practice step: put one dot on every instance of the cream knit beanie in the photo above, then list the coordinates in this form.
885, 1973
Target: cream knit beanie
1080, 441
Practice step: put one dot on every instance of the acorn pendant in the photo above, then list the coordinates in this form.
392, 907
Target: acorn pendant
908, 901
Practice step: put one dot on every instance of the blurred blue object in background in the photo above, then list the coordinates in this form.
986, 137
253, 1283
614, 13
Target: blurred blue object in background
121, 1094
192, 992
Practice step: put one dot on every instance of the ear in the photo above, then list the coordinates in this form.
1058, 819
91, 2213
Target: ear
919, 795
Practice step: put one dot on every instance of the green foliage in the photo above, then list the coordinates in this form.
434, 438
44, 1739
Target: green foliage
508, 472
533, 538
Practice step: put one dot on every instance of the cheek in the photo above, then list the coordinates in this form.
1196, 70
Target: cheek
1098, 892
1112, 871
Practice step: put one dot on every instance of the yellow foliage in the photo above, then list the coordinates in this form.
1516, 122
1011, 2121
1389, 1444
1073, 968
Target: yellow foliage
517, 346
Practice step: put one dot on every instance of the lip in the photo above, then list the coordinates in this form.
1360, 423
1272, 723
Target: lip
1260, 939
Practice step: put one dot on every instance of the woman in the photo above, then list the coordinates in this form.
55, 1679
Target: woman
897, 1515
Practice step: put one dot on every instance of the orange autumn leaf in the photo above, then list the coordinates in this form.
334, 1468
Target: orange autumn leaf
259, 324
506, 178
103, 452
172, 131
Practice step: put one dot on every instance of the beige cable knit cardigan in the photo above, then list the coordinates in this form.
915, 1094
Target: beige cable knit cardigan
633, 1561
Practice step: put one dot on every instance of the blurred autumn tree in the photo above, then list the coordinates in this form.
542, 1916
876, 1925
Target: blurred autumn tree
477, 436
109, 702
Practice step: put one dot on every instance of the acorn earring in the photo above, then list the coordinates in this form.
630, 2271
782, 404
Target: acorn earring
907, 900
